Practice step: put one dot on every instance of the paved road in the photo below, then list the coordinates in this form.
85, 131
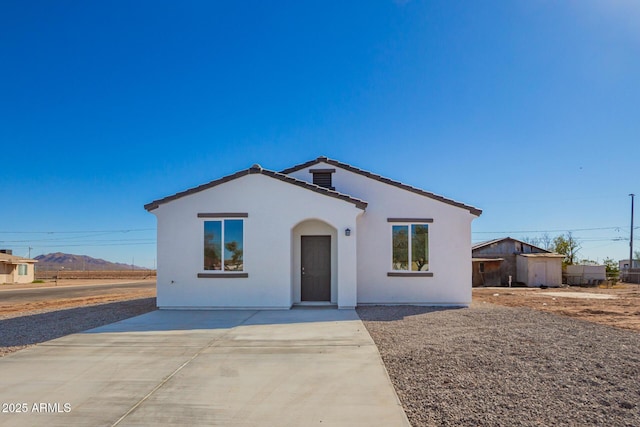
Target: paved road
64, 292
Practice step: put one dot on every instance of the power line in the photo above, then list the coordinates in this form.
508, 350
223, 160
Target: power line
586, 239
74, 240
76, 232
84, 245
549, 231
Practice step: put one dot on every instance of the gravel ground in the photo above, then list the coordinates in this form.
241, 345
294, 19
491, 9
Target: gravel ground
30, 328
494, 366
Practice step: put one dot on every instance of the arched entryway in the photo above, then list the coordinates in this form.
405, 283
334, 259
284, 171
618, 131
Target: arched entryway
314, 276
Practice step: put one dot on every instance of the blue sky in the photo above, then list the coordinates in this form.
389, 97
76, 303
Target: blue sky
528, 110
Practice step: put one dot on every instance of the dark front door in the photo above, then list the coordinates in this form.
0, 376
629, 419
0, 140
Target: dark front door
316, 268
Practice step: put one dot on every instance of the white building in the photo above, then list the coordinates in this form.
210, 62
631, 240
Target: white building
322, 232
586, 274
624, 264
536, 270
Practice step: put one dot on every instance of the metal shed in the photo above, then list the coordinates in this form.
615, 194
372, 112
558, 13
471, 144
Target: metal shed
536, 270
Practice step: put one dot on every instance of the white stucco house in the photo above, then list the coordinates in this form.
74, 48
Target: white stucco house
319, 233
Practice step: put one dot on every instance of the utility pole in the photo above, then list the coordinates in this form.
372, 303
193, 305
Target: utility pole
30, 251
631, 239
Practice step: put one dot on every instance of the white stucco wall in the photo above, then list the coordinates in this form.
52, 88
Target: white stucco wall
274, 209
449, 243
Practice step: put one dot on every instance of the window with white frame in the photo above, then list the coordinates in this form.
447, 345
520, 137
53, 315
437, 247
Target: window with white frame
223, 245
410, 247
22, 269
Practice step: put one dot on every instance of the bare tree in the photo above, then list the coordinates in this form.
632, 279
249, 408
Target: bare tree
535, 241
546, 241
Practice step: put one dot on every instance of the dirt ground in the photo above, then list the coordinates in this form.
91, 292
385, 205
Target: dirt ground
71, 282
617, 306
92, 274
116, 295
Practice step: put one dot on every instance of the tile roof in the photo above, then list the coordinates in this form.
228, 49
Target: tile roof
257, 169
323, 159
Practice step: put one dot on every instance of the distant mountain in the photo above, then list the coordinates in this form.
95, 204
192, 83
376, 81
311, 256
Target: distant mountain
58, 260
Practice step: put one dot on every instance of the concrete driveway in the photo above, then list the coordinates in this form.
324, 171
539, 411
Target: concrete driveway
230, 368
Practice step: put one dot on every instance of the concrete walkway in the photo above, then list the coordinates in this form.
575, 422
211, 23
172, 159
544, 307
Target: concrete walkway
195, 368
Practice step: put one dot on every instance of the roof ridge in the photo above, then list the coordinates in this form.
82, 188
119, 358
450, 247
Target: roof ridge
377, 177
257, 169
314, 186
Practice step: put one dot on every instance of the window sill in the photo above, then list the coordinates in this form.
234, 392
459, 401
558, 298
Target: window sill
410, 274
222, 275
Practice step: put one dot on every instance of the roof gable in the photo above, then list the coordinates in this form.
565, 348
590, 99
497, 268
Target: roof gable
257, 169
323, 159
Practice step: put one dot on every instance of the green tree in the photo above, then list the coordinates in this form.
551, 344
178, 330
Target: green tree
419, 249
211, 252
400, 247
236, 256
568, 246
613, 270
